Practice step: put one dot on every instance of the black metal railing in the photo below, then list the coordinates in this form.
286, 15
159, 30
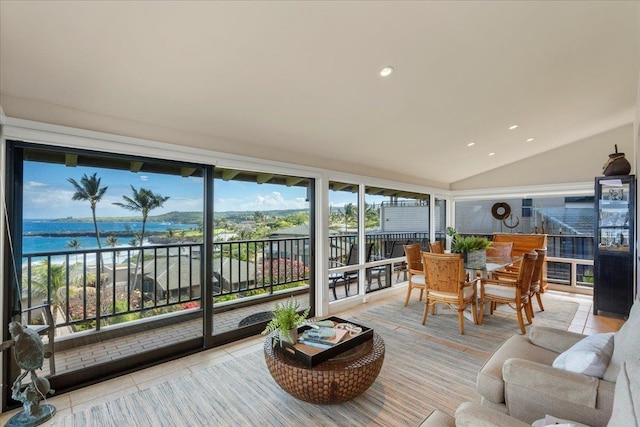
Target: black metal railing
95, 288
382, 243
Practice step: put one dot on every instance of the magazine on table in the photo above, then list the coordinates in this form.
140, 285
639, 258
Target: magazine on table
322, 337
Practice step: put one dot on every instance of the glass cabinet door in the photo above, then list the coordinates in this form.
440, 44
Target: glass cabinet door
613, 215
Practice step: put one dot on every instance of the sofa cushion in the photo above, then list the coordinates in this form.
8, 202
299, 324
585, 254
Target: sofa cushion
526, 376
553, 339
589, 356
626, 343
490, 384
470, 414
626, 402
438, 419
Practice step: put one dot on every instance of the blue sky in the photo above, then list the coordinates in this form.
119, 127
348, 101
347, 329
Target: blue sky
48, 194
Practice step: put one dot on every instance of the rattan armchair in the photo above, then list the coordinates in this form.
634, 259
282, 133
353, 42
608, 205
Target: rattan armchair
500, 249
536, 280
436, 247
416, 272
446, 284
510, 290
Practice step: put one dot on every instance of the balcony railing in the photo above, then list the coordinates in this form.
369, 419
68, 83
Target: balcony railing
569, 260
90, 289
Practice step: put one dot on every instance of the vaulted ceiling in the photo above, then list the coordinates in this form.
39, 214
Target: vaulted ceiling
301, 79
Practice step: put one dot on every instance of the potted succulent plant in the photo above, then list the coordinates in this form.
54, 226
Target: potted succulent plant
472, 247
286, 321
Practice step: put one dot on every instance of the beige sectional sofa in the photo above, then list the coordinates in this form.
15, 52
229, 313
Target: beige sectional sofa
625, 411
518, 384
519, 379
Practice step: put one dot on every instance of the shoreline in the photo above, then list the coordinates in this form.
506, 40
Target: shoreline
119, 233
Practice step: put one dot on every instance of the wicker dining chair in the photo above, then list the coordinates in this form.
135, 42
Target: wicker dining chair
416, 272
500, 249
447, 284
436, 247
515, 292
536, 280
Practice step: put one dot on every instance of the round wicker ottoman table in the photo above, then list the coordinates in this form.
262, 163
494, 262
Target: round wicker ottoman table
337, 380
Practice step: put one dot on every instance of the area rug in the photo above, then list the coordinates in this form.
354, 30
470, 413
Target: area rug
487, 337
425, 367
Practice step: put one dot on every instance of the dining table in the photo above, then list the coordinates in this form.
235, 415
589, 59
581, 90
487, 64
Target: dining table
490, 265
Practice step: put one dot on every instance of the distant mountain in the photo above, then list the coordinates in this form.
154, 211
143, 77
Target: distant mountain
190, 217
177, 217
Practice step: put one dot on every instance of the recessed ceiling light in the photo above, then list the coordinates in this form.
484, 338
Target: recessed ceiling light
471, 144
492, 154
386, 71
530, 139
512, 127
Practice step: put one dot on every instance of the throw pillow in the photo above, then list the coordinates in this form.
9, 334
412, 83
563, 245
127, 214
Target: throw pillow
626, 398
626, 343
589, 356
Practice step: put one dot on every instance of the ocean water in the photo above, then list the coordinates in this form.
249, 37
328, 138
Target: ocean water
32, 241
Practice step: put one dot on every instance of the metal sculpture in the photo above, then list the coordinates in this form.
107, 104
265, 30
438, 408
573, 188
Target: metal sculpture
29, 354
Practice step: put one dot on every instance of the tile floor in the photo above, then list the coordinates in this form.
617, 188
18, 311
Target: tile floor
78, 400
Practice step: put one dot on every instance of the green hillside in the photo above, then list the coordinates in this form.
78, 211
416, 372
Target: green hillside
190, 217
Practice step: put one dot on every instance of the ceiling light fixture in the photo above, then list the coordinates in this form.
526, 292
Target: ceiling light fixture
512, 127
471, 144
386, 71
530, 139
492, 154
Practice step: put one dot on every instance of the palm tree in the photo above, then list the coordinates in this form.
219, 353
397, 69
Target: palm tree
89, 189
350, 212
113, 242
143, 201
75, 245
49, 283
372, 215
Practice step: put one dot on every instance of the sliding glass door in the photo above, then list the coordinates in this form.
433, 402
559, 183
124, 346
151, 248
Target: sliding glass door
133, 261
111, 246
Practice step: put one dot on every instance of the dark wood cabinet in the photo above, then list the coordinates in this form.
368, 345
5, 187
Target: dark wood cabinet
613, 263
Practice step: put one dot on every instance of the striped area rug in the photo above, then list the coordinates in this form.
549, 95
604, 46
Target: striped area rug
426, 367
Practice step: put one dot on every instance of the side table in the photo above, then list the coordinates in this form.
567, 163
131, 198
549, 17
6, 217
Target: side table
335, 381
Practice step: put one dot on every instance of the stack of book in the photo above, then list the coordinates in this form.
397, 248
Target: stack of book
322, 337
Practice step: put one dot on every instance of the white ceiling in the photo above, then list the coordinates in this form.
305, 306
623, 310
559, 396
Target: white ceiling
302, 77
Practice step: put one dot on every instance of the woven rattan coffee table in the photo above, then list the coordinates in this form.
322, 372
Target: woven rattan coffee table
337, 380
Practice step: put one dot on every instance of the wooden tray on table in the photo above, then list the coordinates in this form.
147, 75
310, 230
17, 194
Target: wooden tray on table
311, 355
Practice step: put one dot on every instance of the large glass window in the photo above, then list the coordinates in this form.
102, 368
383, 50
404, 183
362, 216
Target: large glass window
568, 223
126, 248
112, 246
397, 218
440, 220
261, 244
343, 239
